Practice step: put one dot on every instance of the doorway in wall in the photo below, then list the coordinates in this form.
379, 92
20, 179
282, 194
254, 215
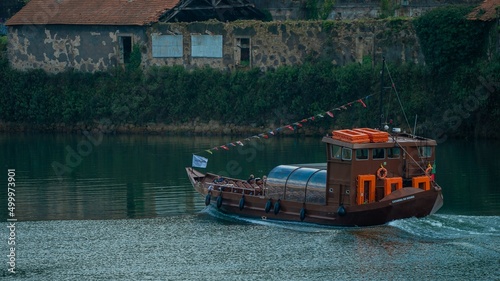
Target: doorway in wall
242, 56
125, 42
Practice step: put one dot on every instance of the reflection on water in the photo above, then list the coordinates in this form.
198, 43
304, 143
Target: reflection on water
123, 209
115, 177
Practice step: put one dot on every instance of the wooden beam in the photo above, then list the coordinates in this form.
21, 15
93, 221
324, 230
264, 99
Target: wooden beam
213, 5
177, 9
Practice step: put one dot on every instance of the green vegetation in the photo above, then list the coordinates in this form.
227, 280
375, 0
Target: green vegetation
448, 39
288, 94
387, 8
318, 9
455, 93
3, 47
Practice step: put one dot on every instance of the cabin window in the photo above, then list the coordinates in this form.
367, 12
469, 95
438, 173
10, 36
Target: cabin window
425, 151
362, 154
378, 153
335, 151
393, 152
346, 153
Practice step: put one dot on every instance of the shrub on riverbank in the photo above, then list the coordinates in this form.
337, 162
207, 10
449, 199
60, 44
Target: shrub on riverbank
172, 95
456, 94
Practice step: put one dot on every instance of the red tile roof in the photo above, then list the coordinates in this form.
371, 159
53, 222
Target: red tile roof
92, 12
487, 11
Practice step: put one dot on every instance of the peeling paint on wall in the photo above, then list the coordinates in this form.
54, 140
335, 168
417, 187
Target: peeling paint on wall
59, 48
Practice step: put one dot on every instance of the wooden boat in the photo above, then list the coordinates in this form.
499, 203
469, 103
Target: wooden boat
370, 177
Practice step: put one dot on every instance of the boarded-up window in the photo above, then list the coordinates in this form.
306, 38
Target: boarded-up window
167, 46
206, 46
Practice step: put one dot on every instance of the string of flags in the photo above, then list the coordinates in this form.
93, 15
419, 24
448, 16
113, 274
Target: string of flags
201, 161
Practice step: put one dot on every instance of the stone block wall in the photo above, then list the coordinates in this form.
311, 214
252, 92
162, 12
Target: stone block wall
274, 44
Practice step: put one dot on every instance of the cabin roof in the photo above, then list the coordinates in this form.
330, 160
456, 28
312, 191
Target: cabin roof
92, 12
401, 139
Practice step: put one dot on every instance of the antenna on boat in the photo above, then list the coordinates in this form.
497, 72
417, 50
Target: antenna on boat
415, 125
381, 95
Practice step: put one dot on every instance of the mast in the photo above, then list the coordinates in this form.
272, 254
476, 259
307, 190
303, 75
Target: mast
381, 95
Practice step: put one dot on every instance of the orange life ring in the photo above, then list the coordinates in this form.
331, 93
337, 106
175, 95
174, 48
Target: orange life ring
428, 171
382, 173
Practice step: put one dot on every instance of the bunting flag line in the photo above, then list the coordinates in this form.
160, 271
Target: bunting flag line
292, 126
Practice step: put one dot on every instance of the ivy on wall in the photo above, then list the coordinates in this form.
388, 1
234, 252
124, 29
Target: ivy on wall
449, 39
318, 9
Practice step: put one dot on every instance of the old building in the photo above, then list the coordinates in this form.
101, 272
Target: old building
96, 35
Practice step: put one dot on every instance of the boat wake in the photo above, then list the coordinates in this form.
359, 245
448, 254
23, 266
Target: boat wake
446, 227
290, 225
450, 226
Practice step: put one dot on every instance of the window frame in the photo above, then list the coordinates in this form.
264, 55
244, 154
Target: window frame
373, 153
367, 154
349, 150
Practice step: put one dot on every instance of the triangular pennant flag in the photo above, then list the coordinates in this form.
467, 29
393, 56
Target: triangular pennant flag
209, 151
224, 147
320, 115
240, 143
303, 120
361, 101
289, 127
330, 113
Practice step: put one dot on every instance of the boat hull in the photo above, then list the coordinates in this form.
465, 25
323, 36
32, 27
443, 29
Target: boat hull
406, 203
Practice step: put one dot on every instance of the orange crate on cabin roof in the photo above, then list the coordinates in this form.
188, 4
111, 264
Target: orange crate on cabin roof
374, 135
350, 136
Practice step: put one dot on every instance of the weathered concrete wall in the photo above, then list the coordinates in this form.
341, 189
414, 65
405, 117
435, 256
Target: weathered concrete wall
56, 48
274, 44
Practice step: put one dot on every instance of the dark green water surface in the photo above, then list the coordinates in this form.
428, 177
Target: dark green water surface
122, 208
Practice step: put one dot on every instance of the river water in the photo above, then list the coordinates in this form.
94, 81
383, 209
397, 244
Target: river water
122, 208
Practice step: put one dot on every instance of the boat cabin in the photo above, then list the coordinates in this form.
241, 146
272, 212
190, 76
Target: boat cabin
366, 165
363, 166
